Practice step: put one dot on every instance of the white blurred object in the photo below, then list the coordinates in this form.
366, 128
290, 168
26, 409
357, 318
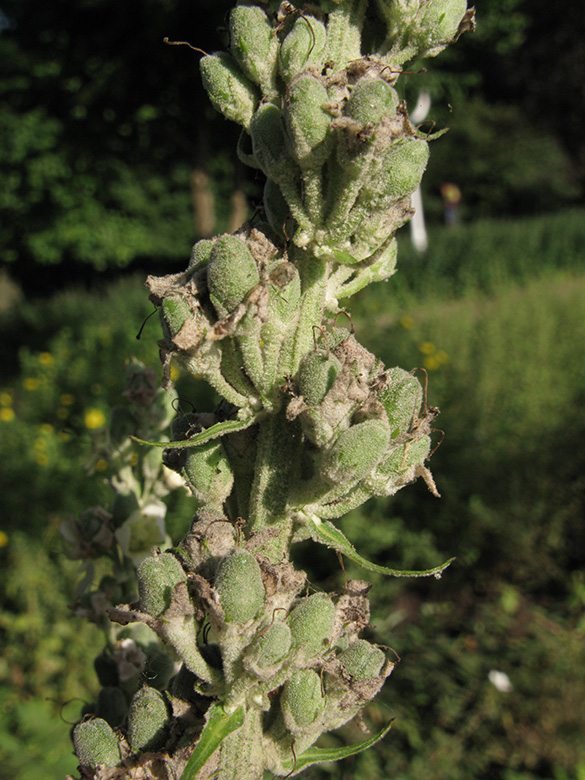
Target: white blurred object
500, 681
418, 231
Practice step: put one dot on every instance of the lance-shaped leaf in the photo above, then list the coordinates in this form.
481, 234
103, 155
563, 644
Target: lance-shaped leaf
220, 429
326, 533
317, 755
220, 725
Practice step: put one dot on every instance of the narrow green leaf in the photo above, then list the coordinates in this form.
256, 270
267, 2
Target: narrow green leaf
228, 426
329, 535
316, 755
219, 726
344, 257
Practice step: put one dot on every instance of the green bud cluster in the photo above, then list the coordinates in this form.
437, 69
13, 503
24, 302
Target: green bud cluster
324, 123
366, 430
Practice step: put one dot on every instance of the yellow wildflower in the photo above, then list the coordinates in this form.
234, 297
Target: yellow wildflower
7, 415
94, 418
45, 359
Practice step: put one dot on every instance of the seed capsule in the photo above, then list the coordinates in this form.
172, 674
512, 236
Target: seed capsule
175, 312
96, 744
272, 647
370, 100
231, 93
157, 576
311, 624
231, 274
440, 22
269, 144
208, 473
362, 660
147, 720
240, 587
200, 253
317, 373
301, 700
302, 46
254, 44
307, 121
402, 398
355, 452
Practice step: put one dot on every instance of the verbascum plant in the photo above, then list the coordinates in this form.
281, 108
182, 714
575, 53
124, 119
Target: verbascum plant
310, 424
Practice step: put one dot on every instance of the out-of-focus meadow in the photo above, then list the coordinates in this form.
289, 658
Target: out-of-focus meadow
112, 165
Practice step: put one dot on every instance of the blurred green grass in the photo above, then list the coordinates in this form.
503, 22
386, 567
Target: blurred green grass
494, 312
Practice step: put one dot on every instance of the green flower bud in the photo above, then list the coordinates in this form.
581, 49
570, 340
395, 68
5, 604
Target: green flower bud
231, 274
254, 44
240, 587
111, 705
175, 312
440, 23
302, 47
96, 744
402, 398
308, 122
200, 253
147, 720
356, 452
370, 100
157, 576
301, 700
311, 624
229, 90
208, 473
362, 660
271, 648
317, 373
269, 144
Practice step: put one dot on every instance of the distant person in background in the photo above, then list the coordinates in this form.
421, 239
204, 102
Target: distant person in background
451, 195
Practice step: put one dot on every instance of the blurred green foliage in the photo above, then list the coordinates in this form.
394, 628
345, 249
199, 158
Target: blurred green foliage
494, 314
